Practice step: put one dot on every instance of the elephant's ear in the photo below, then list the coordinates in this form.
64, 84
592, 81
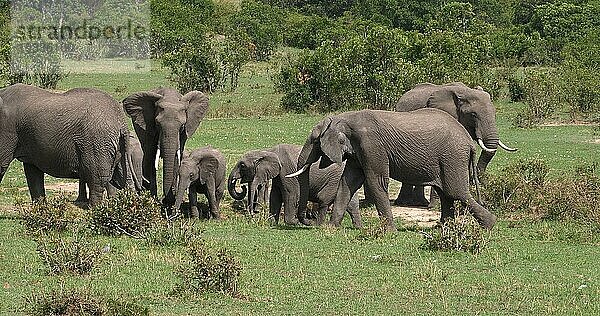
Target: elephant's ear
266, 167
207, 167
334, 143
445, 99
141, 107
196, 110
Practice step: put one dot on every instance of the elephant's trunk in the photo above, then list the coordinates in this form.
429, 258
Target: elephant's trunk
486, 156
307, 157
231, 183
171, 162
183, 184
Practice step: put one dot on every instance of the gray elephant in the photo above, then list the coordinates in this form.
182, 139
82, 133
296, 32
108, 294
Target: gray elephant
473, 108
202, 171
163, 120
78, 134
379, 145
134, 157
257, 167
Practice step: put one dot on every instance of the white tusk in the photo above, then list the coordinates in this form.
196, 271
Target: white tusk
156, 159
299, 172
178, 156
506, 147
482, 145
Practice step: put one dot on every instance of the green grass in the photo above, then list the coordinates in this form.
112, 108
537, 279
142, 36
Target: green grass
527, 268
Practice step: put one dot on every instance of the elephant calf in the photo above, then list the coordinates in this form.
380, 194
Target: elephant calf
257, 167
202, 171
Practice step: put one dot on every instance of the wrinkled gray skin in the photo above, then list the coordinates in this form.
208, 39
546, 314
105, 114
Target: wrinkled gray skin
473, 108
202, 171
257, 167
163, 120
134, 161
379, 145
60, 134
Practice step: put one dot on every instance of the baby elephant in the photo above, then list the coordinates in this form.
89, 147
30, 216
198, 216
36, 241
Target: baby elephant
202, 171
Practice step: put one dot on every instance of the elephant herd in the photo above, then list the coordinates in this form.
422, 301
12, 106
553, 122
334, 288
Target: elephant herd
428, 141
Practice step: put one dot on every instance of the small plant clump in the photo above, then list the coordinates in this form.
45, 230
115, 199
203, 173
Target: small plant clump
55, 213
209, 270
73, 254
127, 213
172, 233
376, 232
75, 302
461, 233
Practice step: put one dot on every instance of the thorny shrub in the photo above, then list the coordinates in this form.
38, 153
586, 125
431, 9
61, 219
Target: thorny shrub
461, 233
55, 213
127, 213
70, 253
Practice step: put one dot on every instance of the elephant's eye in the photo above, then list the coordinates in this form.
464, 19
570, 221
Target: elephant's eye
191, 174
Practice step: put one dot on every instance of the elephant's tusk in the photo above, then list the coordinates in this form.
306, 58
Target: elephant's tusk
482, 145
178, 156
299, 172
156, 159
501, 144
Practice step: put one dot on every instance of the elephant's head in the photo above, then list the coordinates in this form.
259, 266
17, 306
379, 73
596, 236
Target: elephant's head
329, 140
473, 108
255, 169
164, 119
196, 166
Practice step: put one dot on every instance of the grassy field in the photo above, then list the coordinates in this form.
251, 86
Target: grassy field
526, 268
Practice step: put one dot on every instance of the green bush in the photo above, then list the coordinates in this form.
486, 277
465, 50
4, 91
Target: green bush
80, 302
209, 270
55, 213
263, 24
68, 254
523, 190
461, 233
172, 233
517, 187
516, 88
127, 213
542, 96
38, 64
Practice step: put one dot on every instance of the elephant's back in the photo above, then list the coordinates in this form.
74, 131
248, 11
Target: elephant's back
415, 98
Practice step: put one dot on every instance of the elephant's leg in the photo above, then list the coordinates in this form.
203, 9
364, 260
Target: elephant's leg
211, 196
419, 196
405, 195
111, 190
275, 202
218, 199
35, 181
368, 201
434, 199
353, 210
149, 171
447, 205
378, 185
321, 213
352, 178
484, 217
193, 199
82, 196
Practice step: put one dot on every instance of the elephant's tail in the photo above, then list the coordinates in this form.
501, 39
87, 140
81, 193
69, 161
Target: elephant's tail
473, 172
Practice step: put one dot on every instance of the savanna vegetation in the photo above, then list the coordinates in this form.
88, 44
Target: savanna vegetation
275, 68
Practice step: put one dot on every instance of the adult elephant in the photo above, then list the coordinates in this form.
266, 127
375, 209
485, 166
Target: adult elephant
379, 145
79, 134
473, 108
257, 167
163, 120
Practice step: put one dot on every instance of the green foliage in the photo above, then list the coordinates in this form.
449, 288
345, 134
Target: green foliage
263, 25
172, 233
376, 232
516, 89
80, 302
55, 213
209, 270
38, 63
514, 188
127, 213
523, 189
68, 254
461, 233
542, 97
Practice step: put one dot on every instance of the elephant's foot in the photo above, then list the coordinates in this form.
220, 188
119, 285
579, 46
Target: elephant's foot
292, 221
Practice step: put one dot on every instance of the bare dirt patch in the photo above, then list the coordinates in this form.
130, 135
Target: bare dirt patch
59, 187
